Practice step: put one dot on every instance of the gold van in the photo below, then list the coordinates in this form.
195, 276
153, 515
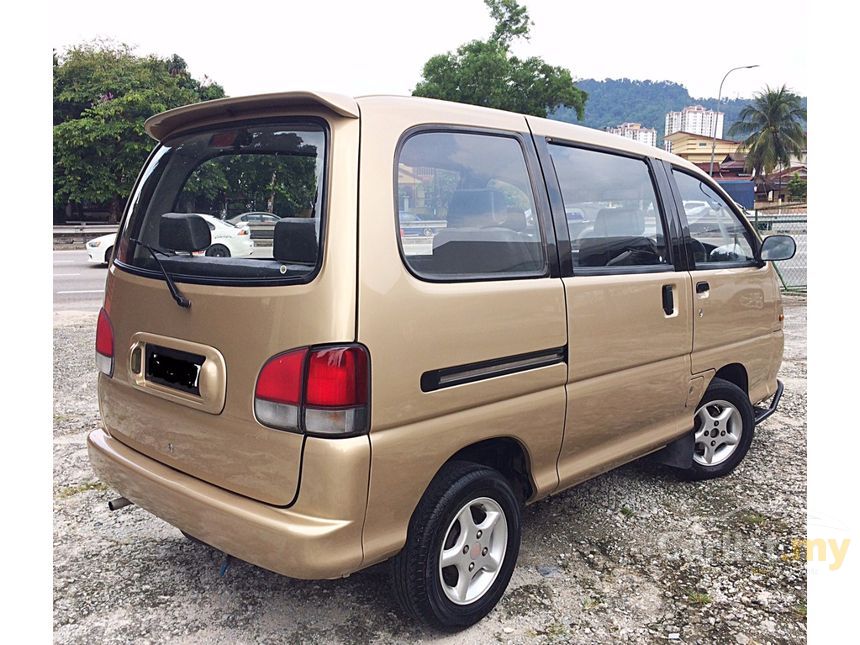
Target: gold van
453, 311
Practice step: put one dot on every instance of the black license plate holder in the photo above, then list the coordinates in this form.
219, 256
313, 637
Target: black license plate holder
174, 368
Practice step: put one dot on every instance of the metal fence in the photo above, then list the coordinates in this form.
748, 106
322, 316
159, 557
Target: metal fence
791, 272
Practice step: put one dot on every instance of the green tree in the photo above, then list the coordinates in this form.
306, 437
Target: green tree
484, 72
773, 130
797, 188
103, 93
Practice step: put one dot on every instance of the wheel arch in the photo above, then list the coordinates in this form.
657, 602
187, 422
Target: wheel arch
735, 373
505, 454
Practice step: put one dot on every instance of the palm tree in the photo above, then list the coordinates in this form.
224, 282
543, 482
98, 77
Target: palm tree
773, 130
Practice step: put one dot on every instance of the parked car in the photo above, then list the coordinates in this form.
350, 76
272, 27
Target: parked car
260, 225
100, 249
228, 240
254, 218
354, 399
412, 225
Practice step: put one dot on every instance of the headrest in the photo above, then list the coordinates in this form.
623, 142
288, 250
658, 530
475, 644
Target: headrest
619, 222
476, 208
295, 240
515, 220
183, 232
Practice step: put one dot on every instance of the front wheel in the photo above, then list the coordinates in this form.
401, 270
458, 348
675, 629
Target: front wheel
461, 548
723, 430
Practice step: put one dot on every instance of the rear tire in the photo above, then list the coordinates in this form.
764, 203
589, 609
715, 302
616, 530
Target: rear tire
723, 431
218, 251
469, 516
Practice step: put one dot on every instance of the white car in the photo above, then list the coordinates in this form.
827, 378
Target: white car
100, 249
228, 240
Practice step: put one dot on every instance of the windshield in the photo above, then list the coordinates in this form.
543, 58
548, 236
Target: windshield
258, 188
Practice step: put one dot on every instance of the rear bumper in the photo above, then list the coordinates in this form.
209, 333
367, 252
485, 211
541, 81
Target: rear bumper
294, 542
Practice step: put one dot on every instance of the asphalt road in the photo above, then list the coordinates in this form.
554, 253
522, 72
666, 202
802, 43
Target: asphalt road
78, 285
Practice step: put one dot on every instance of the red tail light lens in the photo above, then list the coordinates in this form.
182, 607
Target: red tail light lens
104, 343
281, 378
322, 390
337, 377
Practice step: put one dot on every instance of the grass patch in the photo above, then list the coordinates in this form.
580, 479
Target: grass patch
799, 610
626, 512
592, 603
69, 491
753, 519
553, 631
698, 598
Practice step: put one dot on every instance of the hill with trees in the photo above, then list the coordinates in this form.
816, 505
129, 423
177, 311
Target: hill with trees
614, 101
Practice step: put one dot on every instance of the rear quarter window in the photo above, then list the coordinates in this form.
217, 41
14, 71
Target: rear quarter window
465, 208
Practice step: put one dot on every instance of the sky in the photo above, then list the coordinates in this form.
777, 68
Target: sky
380, 46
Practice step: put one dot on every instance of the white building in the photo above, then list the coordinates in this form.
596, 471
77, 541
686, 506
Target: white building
695, 119
635, 131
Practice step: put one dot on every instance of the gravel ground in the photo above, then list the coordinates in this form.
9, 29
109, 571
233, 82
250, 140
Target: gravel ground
634, 555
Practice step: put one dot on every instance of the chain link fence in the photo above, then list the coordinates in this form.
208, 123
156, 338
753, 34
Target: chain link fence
791, 272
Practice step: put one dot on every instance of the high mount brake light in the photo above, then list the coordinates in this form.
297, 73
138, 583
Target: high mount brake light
104, 343
318, 390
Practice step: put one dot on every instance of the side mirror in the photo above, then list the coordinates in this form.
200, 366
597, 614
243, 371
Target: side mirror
295, 241
183, 232
777, 247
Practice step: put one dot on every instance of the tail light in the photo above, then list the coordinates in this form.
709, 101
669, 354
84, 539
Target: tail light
243, 231
104, 343
318, 390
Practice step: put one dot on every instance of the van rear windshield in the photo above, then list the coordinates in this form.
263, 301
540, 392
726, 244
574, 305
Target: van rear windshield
258, 188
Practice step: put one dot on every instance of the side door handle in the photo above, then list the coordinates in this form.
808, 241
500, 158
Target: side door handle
668, 300
702, 287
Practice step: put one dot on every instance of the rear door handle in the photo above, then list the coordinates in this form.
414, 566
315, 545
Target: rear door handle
702, 287
668, 300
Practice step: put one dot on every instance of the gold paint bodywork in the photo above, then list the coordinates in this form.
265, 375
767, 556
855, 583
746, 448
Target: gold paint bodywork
629, 370
317, 537
310, 507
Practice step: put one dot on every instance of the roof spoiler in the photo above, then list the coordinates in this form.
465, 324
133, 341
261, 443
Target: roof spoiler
166, 123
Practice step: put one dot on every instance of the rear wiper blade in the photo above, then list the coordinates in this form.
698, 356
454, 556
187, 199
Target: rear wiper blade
181, 300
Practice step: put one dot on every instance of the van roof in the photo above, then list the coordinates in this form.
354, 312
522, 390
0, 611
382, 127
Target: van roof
162, 125
539, 125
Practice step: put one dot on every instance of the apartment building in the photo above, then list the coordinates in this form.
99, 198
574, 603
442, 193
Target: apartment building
635, 131
695, 119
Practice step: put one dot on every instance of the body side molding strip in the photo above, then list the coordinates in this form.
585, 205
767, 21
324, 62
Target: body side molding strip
470, 372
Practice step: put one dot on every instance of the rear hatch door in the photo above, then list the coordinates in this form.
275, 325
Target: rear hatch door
183, 382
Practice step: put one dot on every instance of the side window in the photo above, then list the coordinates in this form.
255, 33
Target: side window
718, 235
465, 207
611, 209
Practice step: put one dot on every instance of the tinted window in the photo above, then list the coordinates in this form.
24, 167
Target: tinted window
465, 207
218, 175
611, 209
718, 235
